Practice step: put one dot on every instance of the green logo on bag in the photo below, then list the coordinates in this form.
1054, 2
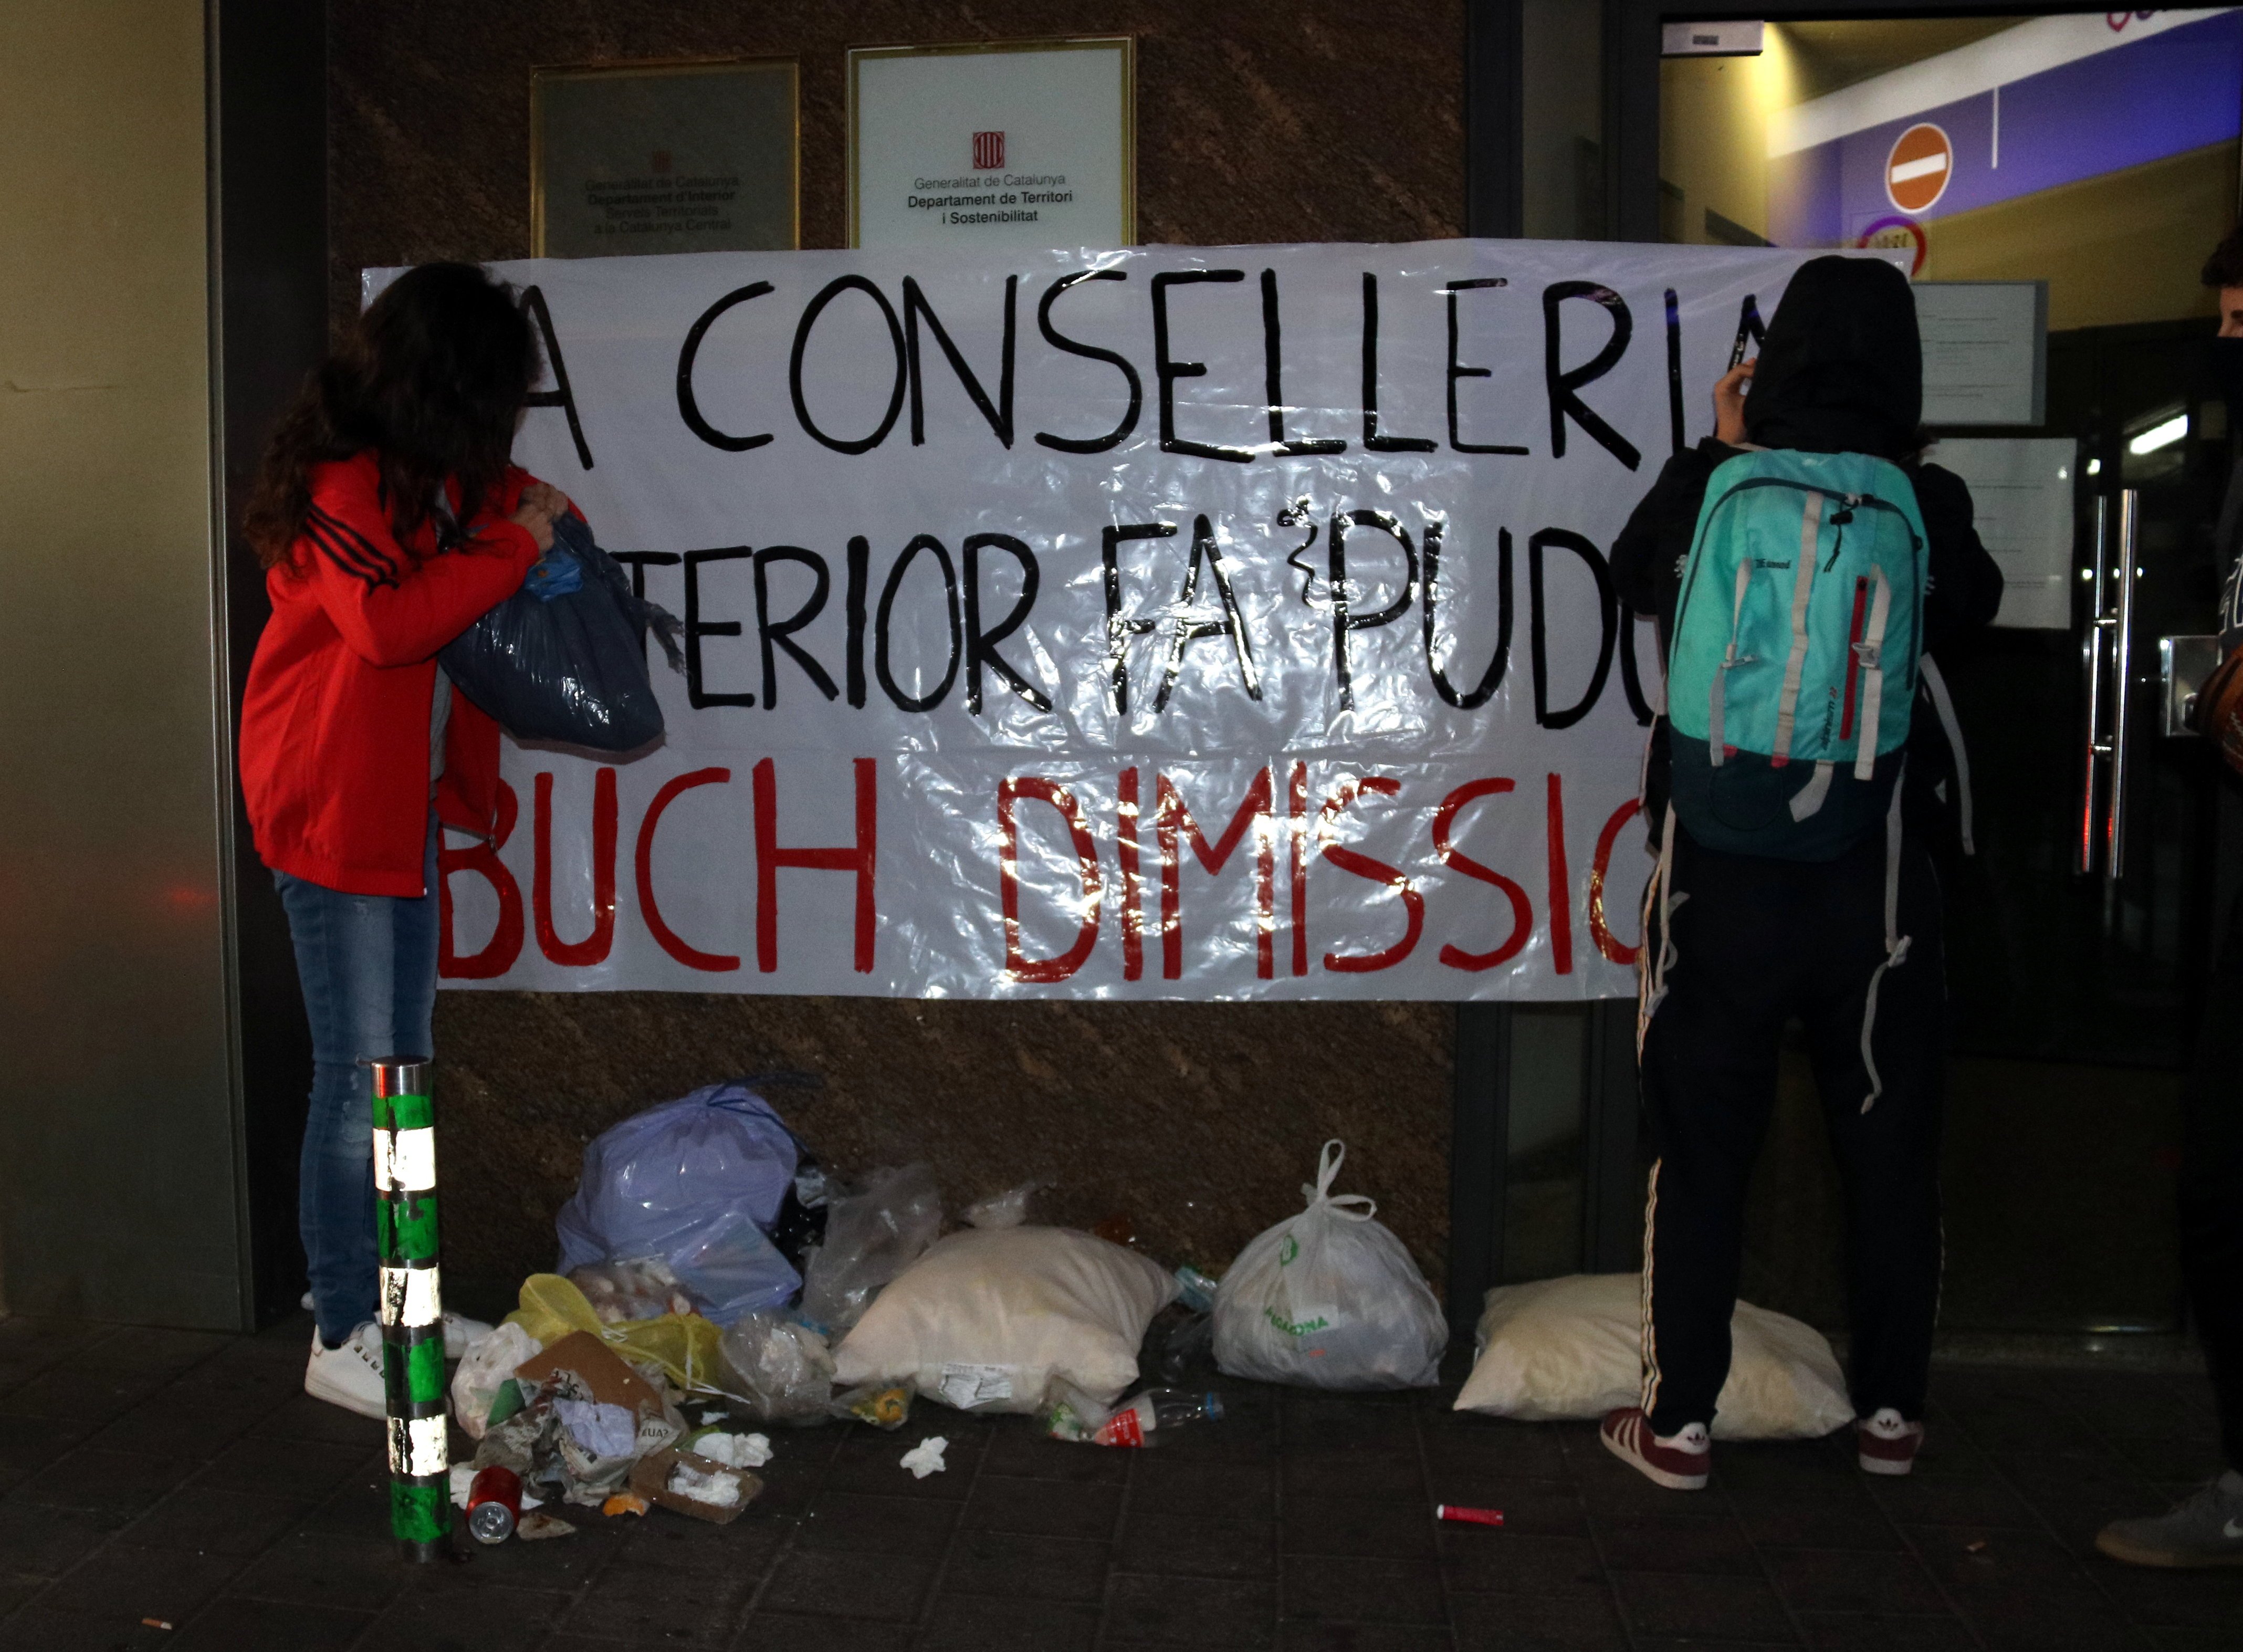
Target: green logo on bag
1287, 1250
1297, 1327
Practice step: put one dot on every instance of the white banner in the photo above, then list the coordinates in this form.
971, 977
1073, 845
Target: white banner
1201, 622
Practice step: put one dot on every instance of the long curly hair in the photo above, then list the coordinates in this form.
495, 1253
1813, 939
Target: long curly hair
432, 378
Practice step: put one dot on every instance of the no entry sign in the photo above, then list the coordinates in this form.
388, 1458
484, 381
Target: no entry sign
1919, 168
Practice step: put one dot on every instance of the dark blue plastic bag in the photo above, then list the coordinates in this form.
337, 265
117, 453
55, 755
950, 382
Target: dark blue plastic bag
697, 1182
570, 667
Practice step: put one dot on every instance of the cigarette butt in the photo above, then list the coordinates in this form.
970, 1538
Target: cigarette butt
154, 1624
1468, 1516
1972, 1548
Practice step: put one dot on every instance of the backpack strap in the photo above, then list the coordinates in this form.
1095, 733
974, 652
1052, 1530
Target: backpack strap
1896, 943
1936, 686
1809, 798
1722, 673
1870, 651
1802, 583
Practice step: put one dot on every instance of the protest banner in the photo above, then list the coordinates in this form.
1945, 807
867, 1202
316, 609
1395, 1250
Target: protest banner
1174, 622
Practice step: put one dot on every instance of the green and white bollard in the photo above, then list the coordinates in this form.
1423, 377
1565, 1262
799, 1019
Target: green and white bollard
412, 1307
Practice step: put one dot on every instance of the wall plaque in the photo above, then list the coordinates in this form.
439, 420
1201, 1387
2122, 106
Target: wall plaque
665, 157
1026, 143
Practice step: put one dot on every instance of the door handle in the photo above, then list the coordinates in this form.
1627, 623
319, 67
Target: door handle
2092, 647
2107, 655
2122, 675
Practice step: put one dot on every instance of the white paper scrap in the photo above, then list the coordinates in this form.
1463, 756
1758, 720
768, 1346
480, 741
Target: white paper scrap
734, 1451
926, 1458
601, 1429
721, 1490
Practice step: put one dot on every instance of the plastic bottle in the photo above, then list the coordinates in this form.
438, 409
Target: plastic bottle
1154, 1410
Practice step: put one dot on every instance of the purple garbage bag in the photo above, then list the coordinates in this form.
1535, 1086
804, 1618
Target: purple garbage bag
697, 1182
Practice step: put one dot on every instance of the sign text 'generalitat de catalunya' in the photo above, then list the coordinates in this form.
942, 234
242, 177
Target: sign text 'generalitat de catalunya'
1180, 622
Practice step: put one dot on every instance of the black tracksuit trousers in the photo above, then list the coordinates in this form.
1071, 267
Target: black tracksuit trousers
1755, 943
2211, 1187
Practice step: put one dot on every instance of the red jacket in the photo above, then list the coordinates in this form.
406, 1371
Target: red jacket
334, 724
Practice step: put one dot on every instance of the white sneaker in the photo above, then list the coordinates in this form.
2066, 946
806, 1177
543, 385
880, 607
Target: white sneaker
459, 1331
350, 1376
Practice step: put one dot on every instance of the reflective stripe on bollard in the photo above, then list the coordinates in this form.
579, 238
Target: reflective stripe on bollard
412, 1307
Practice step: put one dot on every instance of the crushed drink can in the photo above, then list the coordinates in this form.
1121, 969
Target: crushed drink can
494, 1503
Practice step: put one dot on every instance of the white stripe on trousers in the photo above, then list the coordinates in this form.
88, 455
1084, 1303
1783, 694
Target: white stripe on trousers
1650, 1341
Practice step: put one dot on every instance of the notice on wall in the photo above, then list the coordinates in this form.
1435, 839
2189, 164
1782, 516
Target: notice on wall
1986, 351
2022, 491
1030, 145
665, 157
1189, 622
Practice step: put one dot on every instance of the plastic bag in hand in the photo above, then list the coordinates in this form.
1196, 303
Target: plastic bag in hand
1329, 1300
870, 1238
567, 666
697, 1182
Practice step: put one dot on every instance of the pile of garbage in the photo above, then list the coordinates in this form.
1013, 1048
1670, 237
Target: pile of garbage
713, 1276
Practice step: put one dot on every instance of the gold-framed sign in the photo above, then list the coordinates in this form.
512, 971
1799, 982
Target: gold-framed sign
1010, 143
670, 157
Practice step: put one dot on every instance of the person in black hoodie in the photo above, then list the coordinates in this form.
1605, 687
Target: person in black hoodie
1751, 942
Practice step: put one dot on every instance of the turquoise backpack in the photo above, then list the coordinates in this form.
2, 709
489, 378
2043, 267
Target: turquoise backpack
1797, 648
1797, 644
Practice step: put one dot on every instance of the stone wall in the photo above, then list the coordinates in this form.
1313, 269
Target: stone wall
1314, 121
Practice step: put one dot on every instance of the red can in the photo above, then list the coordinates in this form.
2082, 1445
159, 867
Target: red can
494, 1503
1468, 1516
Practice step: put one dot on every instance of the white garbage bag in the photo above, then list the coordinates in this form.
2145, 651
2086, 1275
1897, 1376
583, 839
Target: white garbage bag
1329, 1300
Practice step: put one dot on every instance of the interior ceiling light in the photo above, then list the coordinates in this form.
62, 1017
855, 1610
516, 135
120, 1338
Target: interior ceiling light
2160, 436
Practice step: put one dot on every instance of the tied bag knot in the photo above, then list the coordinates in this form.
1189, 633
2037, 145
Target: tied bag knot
1349, 1207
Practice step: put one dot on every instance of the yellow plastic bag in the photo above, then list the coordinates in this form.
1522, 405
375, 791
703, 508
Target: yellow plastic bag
683, 1344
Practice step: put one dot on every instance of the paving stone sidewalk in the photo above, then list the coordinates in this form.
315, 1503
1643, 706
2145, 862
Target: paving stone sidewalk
186, 1479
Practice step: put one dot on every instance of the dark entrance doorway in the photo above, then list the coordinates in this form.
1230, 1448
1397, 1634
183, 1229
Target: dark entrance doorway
2080, 930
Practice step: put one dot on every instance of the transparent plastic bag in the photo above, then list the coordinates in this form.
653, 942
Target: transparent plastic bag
1006, 1210
568, 667
877, 1405
1068, 1413
1329, 1300
782, 1368
871, 1236
699, 1182
489, 1360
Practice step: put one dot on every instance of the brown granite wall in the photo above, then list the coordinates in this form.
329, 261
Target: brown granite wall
1309, 120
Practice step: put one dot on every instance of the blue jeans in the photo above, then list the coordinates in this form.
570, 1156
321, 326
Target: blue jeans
369, 967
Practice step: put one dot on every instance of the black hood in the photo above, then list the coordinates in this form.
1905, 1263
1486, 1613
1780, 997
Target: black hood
1841, 368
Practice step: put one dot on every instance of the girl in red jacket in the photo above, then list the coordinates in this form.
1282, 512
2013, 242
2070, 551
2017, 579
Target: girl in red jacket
388, 520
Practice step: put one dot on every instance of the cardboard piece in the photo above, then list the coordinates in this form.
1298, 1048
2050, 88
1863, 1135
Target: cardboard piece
611, 1381
650, 1479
